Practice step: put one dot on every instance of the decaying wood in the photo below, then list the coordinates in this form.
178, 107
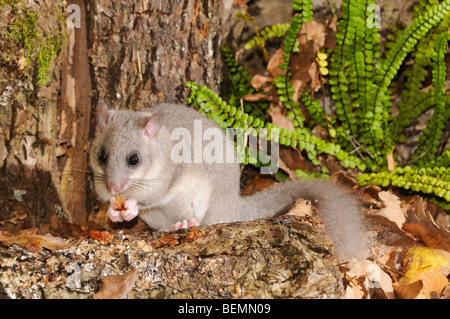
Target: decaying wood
273, 258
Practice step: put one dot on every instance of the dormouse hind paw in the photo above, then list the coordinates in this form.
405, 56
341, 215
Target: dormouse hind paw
184, 224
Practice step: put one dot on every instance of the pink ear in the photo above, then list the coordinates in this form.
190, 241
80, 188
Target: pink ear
152, 125
103, 114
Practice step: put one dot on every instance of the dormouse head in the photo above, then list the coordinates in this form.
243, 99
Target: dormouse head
124, 151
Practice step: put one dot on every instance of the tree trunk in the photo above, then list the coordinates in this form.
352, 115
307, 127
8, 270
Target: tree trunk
74, 116
131, 54
145, 54
29, 182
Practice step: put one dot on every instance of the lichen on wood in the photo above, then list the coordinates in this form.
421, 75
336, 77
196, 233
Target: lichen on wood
272, 258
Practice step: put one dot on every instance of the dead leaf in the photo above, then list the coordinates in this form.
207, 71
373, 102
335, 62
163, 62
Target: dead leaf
258, 183
301, 208
278, 118
425, 270
305, 71
408, 291
101, 236
257, 97
282, 165
392, 209
194, 234
369, 193
260, 80
433, 281
368, 277
33, 242
22, 63
432, 234
117, 286
166, 240
313, 32
391, 160
428, 237
274, 62
293, 159
341, 178
316, 80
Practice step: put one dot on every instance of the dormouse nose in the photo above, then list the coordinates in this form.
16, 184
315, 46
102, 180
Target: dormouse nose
116, 187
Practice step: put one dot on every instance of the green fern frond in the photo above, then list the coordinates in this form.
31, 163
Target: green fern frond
290, 45
276, 31
428, 180
380, 107
227, 116
240, 86
415, 77
431, 136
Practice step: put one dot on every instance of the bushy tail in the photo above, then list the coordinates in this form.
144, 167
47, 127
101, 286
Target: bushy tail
338, 208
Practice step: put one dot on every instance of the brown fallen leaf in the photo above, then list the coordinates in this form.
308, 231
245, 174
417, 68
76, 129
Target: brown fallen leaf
341, 178
278, 118
369, 193
428, 266
166, 240
301, 208
117, 286
365, 277
432, 234
431, 281
274, 62
257, 97
22, 63
258, 183
194, 234
260, 80
408, 291
392, 209
101, 236
430, 238
33, 242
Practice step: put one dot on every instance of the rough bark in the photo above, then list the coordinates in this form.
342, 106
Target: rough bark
74, 112
132, 54
145, 54
275, 258
29, 183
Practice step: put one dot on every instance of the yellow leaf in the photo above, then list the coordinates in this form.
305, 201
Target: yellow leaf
425, 272
418, 260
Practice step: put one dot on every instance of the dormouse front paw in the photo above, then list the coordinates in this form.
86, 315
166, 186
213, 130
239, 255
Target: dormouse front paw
120, 211
184, 224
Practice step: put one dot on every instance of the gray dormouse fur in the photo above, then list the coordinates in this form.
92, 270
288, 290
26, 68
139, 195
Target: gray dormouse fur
168, 192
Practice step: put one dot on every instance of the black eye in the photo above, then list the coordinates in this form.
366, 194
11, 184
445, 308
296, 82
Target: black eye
102, 157
133, 160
